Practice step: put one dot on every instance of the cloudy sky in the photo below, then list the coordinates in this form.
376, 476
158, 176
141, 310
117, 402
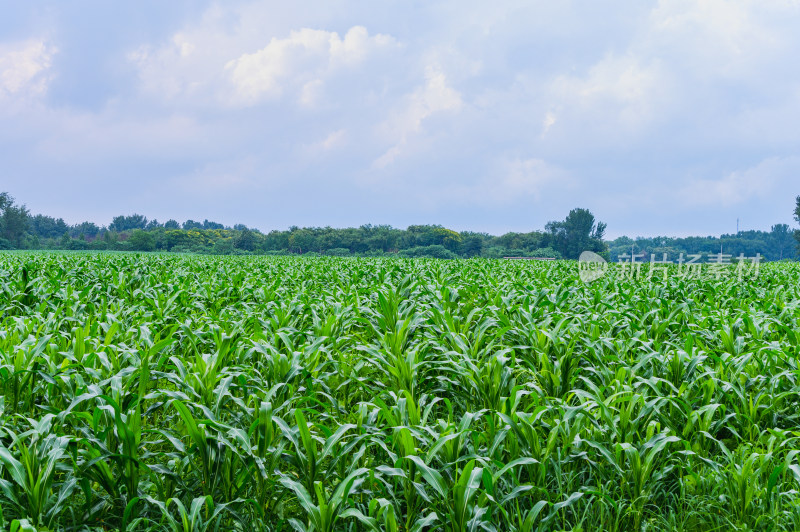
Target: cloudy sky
663, 118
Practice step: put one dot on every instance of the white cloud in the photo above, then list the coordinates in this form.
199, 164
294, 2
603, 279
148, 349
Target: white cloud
311, 93
184, 46
509, 181
25, 68
335, 139
623, 90
715, 37
741, 186
528, 177
356, 46
212, 179
210, 64
686, 64
518, 180
300, 59
549, 121
559, 103
433, 97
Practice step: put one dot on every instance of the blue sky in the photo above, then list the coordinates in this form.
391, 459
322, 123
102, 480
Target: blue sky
663, 118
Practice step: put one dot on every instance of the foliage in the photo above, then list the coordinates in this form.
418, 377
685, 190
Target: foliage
545, 253
797, 218
565, 239
185, 392
48, 227
14, 220
576, 234
86, 229
127, 223
140, 240
435, 251
246, 240
774, 245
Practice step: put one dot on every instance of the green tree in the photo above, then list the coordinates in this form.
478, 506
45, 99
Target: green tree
127, 223
797, 217
47, 226
14, 220
577, 233
246, 240
141, 240
212, 225
223, 246
435, 251
471, 244
85, 229
301, 240
5, 200
781, 241
191, 224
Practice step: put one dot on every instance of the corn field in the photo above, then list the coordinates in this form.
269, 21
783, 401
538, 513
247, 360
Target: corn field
188, 393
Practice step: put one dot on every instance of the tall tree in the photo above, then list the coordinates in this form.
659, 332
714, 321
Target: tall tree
14, 220
89, 229
780, 241
212, 225
191, 224
127, 223
246, 240
797, 217
576, 234
48, 227
141, 240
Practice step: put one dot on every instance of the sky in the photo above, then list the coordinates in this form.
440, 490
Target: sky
675, 117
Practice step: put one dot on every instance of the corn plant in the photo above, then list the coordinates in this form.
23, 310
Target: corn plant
187, 393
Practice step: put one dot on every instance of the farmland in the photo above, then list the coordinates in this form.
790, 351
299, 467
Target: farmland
153, 392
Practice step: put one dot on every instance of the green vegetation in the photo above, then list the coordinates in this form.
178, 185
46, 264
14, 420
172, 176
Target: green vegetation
173, 392
774, 245
797, 218
565, 239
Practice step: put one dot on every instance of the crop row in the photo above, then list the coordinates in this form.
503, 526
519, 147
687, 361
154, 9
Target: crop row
242, 393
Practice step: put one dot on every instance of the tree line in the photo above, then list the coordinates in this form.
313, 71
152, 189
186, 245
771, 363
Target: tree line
781, 242
777, 244
560, 239
578, 232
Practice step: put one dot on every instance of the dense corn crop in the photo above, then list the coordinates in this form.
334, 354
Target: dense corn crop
198, 393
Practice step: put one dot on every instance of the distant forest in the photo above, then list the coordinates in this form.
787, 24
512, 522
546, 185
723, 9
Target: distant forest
578, 232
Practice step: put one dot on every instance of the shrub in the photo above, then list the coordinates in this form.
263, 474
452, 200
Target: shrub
223, 247
76, 244
140, 240
544, 252
435, 251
